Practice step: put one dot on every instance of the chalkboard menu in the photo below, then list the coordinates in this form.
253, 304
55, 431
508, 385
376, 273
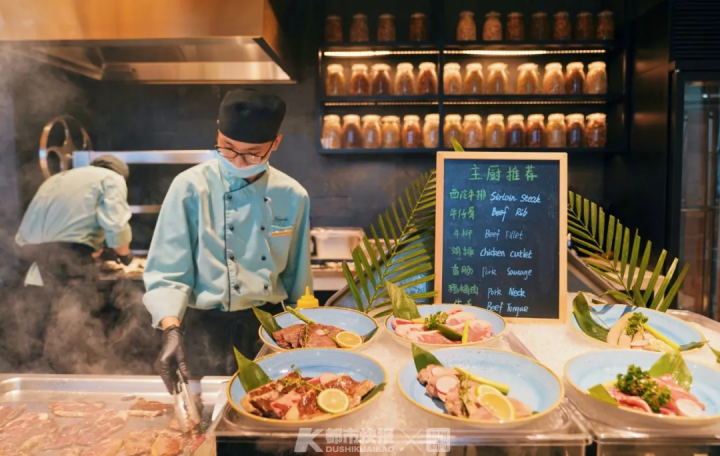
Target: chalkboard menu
501, 234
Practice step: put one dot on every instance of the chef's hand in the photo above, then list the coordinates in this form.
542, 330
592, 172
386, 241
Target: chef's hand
172, 357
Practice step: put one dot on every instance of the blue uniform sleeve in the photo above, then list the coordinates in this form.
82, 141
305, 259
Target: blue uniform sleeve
170, 272
298, 273
113, 212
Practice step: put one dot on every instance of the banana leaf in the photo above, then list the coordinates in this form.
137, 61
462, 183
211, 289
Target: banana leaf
267, 321
423, 358
584, 318
672, 363
600, 393
716, 353
403, 305
374, 392
300, 316
251, 375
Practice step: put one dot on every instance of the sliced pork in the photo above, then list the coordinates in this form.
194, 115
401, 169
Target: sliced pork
76, 409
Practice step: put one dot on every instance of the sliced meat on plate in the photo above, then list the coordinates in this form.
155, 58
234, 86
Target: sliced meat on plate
149, 409
168, 444
9, 413
104, 425
76, 409
138, 443
25, 433
105, 448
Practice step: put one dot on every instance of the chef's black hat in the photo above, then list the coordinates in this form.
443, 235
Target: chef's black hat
112, 163
249, 116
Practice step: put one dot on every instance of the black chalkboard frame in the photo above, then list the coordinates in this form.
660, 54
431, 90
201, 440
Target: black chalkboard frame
489, 155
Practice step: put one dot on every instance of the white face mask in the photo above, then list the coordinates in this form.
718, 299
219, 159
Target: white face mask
242, 173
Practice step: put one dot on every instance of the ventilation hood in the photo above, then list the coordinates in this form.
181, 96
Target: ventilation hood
155, 41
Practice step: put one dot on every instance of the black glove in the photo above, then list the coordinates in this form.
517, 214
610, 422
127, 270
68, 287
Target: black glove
126, 260
172, 359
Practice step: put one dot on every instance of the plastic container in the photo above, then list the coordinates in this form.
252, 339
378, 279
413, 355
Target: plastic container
515, 131
584, 26
412, 136
332, 133
535, 131
381, 80
359, 80
452, 129
575, 126
497, 80
596, 130
386, 28
336, 243
575, 79
431, 131
553, 80
335, 80
528, 80
390, 132
515, 27
596, 81
473, 135
404, 79
492, 28
466, 29
555, 131
495, 131
540, 27
606, 26
474, 81
418, 27
352, 133
562, 30
452, 81
427, 81
359, 31
333, 29
371, 132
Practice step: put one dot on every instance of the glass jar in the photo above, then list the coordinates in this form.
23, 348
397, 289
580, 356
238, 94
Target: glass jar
412, 136
418, 27
431, 131
352, 133
553, 81
473, 135
332, 134
535, 131
333, 29
596, 81
390, 132
474, 80
492, 28
452, 129
371, 132
386, 28
515, 132
606, 26
584, 26
404, 79
575, 125
381, 82
335, 80
515, 27
452, 81
427, 81
540, 27
495, 131
555, 131
359, 80
596, 130
359, 31
562, 30
497, 81
575, 79
528, 79
466, 30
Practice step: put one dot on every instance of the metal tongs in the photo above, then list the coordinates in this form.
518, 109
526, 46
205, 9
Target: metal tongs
185, 410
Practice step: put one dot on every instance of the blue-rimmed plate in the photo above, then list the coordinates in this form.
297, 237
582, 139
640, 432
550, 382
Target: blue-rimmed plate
346, 319
673, 328
312, 362
590, 369
530, 382
496, 321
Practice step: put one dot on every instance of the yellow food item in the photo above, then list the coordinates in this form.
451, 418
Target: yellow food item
498, 405
347, 339
333, 400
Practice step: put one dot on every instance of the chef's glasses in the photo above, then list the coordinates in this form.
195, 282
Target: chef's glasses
248, 158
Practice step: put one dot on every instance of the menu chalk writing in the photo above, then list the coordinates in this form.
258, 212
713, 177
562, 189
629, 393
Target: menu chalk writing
501, 225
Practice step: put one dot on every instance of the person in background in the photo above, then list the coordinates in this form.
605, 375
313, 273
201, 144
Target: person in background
233, 233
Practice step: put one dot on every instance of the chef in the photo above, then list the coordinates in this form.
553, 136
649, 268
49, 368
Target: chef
233, 233
71, 216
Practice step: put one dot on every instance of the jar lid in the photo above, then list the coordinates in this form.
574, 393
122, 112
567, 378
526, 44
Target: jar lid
519, 118
536, 118
576, 117
596, 65
474, 66
583, 14
605, 13
515, 14
472, 118
497, 66
359, 67
418, 15
411, 118
432, 118
556, 117
453, 118
492, 14
370, 118
405, 66
596, 116
351, 118
333, 17
429, 65
496, 118
359, 16
527, 67
332, 118
335, 67
549, 66
387, 16
575, 65
452, 66
540, 14
390, 119
467, 13
381, 66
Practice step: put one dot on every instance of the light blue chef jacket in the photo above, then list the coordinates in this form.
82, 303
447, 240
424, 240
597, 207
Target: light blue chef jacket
222, 243
85, 205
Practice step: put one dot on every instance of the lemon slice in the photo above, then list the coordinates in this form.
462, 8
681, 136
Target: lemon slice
347, 339
333, 401
482, 390
499, 405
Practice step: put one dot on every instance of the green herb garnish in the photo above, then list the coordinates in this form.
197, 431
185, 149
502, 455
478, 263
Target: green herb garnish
432, 322
635, 323
637, 382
